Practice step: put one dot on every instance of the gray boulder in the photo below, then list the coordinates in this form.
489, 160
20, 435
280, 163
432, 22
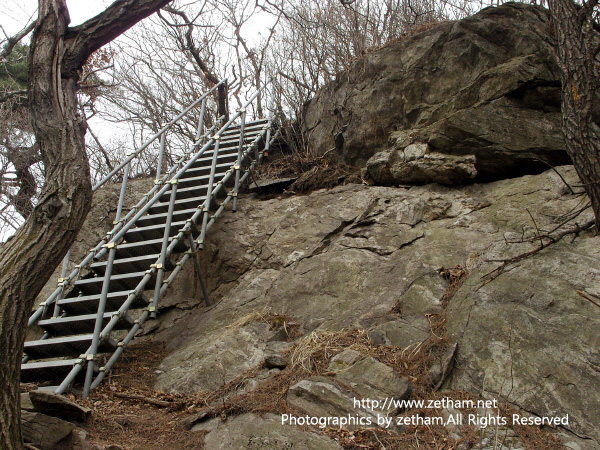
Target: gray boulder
528, 338
43, 431
250, 431
58, 406
476, 98
368, 257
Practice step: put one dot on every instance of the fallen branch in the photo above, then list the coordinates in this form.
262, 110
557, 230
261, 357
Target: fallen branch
588, 298
550, 239
142, 398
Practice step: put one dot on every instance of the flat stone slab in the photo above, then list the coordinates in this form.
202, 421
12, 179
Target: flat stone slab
252, 432
58, 406
372, 379
321, 397
44, 431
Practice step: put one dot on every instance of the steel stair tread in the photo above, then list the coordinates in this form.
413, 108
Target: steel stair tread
206, 160
186, 192
66, 346
89, 303
47, 370
152, 232
192, 170
119, 282
249, 127
134, 264
140, 248
161, 218
63, 326
180, 204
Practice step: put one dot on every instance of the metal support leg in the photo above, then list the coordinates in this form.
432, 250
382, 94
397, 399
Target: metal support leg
199, 274
99, 319
209, 193
105, 288
238, 165
163, 252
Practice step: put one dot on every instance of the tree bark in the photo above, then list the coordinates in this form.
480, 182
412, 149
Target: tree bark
576, 50
28, 259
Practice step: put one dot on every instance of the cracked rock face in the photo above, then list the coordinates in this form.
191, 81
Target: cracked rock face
369, 257
481, 94
250, 431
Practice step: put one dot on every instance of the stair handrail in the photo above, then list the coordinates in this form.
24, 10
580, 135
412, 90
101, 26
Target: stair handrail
108, 328
122, 225
63, 281
184, 231
159, 134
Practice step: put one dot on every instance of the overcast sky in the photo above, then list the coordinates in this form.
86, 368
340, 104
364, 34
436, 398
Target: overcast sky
14, 15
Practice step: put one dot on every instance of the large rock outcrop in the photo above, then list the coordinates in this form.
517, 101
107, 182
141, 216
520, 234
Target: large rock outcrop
369, 257
472, 99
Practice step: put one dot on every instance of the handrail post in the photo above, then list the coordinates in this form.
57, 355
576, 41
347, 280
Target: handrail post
163, 251
90, 357
211, 181
161, 153
200, 129
238, 165
63, 276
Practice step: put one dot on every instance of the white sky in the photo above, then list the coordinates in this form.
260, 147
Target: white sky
14, 15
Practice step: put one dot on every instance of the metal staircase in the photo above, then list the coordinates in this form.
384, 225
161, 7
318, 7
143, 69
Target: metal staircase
99, 307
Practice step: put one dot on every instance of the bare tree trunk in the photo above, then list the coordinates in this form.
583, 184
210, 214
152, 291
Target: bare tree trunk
576, 49
28, 259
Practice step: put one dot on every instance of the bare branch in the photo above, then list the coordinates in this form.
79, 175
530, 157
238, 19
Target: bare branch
85, 39
14, 40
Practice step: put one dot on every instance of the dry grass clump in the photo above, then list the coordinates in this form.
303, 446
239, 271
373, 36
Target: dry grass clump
275, 322
312, 353
312, 172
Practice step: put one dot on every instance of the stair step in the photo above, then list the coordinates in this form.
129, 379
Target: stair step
184, 203
127, 265
197, 190
161, 218
194, 172
250, 127
85, 304
142, 248
138, 234
63, 326
206, 161
65, 346
118, 282
47, 370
